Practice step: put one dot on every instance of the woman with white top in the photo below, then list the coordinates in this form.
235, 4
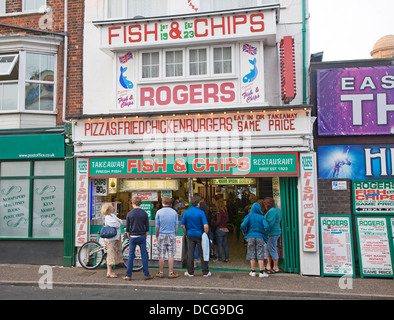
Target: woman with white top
114, 244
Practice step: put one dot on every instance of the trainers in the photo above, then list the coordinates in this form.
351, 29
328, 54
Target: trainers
160, 274
188, 274
252, 273
208, 274
263, 275
173, 275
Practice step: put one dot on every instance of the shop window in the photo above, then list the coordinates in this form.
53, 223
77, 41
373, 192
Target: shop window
32, 184
34, 85
2, 7
11, 169
49, 168
14, 208
198, 62
29, 5
48, 208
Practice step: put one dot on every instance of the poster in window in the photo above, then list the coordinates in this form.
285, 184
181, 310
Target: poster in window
374, 247
336, 245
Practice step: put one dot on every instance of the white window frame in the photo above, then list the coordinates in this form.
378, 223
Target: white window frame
227, 74
207, 62
11, 65
186, 64
39, 82
22, 81
106, 10
2, 7
35, 9
165, 64
160, 66
163, 8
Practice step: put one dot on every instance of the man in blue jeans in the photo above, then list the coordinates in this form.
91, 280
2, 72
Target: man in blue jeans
137, 229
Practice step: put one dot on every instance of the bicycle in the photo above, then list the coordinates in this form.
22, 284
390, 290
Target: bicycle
92, 254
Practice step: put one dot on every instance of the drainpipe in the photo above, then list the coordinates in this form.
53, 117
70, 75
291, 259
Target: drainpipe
65, 59
304, 50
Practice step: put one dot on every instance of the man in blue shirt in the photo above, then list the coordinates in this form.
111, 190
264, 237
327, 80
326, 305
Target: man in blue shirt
194, 224
166, 230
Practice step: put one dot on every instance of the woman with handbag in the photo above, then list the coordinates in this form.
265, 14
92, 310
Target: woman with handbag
113, 244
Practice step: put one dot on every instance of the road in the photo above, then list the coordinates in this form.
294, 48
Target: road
11, 292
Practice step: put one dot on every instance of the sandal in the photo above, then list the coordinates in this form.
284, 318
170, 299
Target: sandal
272, 271
112, 275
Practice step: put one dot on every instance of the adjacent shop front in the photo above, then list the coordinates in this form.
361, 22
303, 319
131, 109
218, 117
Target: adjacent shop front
36, 190
356, 99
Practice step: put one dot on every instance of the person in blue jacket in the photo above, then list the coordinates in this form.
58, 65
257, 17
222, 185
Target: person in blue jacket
273, 217
255, 228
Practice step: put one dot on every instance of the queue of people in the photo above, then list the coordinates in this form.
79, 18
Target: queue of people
261, 228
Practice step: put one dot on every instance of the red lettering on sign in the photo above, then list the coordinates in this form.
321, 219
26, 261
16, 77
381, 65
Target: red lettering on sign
185, 94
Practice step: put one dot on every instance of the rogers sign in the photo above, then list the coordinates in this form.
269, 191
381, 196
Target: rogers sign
187, 94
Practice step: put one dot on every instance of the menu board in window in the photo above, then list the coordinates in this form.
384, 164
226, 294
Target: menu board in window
336, 246
374, 247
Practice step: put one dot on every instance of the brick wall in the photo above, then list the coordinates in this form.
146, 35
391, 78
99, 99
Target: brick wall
15, 17
334, 201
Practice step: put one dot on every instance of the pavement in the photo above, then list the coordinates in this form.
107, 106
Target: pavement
235, 282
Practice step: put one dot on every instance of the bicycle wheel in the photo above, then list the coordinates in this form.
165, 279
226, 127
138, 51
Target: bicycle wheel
91, 255
137, 265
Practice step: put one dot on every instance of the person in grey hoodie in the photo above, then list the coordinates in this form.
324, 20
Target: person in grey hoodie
255, 228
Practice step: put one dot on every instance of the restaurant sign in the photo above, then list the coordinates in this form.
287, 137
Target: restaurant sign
206, 165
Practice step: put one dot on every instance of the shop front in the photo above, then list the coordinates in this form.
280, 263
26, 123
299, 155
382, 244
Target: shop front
189, 100
116, 161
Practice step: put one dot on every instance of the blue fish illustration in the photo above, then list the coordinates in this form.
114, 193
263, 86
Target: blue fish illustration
252, 75
123, 81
